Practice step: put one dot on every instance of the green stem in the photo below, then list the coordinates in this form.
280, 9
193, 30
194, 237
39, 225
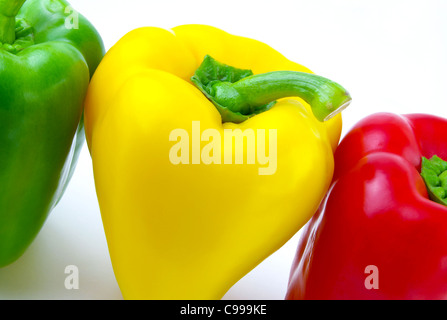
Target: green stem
239, 92
8, 12
434, 173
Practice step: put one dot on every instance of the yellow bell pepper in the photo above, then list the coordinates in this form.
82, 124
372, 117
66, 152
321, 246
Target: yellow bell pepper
195, 190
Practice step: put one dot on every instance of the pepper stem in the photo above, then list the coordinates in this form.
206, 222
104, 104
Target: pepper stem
434, 173
238, 94
8, 11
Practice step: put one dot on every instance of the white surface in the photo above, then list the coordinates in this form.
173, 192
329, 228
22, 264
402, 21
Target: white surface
390, 55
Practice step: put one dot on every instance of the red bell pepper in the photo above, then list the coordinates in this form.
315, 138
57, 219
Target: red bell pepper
380, 233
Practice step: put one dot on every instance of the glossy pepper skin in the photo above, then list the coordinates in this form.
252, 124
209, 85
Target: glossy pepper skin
44, 75
190, 231
378, 218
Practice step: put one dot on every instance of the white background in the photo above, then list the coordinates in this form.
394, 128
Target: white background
390, 55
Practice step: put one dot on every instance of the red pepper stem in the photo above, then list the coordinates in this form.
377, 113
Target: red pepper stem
8, 11
434, 173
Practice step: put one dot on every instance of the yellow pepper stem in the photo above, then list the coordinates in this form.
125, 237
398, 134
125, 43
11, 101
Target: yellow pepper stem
239, 95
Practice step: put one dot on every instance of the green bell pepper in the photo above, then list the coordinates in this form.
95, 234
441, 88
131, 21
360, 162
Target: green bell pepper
46, 63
